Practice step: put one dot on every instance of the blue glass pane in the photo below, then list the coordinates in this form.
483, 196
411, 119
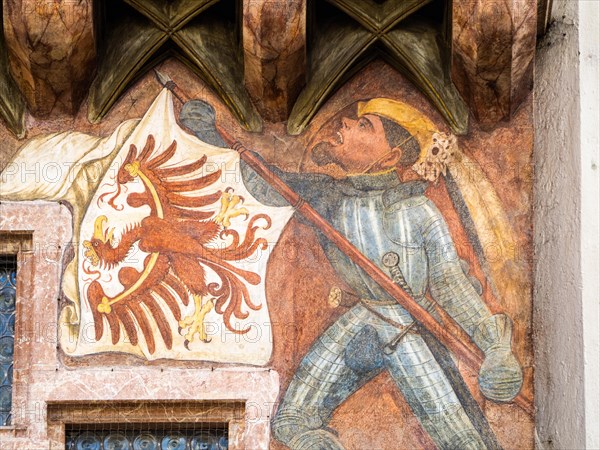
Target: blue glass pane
116, 441
5, 398
8, 374
129, 436
5, 418
8, 298
146, 441
8, 274
3, 324
207, 441
7, 347
87, 441
10, 326
7, 324
174, 442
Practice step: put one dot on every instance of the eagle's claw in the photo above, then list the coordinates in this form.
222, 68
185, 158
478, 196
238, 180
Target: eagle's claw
194, 323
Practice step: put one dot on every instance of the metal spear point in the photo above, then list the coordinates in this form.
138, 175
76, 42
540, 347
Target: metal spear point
167, 82
162, 78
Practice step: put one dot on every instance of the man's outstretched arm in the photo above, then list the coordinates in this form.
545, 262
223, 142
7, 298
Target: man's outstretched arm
199, 117
308, 185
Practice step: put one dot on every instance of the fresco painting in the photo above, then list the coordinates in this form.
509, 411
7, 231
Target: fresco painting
186, 251
389, 152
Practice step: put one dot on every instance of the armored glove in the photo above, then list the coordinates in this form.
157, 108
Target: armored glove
500, 375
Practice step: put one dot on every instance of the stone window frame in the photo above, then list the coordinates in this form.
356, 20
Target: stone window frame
39, 233
62, 414
19, 244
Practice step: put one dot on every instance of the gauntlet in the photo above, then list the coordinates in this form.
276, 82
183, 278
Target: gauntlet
500, 375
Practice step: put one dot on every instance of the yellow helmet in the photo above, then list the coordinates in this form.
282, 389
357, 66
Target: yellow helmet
412, 120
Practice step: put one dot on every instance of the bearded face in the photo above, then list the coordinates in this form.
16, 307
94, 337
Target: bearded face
356, 145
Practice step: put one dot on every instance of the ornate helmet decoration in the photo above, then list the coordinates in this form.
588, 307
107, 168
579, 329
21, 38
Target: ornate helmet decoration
436, 157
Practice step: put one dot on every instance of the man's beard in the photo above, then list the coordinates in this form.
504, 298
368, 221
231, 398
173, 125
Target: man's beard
322, 154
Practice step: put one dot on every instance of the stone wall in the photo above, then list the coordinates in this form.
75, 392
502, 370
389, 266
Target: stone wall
566, 224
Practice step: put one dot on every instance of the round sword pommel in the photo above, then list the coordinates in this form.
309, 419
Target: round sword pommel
335, 297
390, 259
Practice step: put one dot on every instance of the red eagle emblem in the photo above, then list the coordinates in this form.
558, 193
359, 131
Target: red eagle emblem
177, 236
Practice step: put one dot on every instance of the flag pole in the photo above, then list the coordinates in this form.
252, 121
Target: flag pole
465, 349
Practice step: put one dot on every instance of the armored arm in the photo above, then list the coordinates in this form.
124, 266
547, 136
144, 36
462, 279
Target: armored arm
307, 185
500, 376
199, 117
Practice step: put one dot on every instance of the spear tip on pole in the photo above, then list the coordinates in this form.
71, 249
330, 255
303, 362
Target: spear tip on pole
162, 78
168, 83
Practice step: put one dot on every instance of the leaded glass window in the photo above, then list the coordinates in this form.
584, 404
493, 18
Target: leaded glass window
196, 436
8, 295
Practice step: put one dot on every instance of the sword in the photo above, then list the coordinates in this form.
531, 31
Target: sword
391, 260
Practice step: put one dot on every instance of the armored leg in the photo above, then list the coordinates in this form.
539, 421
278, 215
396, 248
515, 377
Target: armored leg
329, 373
429, 393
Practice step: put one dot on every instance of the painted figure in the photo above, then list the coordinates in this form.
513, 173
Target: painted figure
381, 208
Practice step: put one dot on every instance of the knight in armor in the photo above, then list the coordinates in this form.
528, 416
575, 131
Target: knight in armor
380, 207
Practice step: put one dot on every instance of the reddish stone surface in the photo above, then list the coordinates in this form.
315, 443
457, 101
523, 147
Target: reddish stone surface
493, 50
274, 35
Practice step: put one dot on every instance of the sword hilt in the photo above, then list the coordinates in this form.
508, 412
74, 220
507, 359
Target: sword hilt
391, 261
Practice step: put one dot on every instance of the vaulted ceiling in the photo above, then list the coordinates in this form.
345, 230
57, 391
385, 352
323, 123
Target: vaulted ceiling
412, 36
137, 34
268, 61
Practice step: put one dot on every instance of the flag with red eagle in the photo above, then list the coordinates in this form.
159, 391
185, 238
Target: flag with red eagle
171, 249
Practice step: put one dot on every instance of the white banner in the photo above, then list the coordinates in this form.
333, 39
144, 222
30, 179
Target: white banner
172, 250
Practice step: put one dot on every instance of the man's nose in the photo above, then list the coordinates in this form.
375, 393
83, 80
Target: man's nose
347, 122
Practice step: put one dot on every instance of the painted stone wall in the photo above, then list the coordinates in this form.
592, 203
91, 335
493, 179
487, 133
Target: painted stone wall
316, 325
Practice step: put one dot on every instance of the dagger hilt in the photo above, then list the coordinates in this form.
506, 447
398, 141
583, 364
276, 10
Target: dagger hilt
391, 261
